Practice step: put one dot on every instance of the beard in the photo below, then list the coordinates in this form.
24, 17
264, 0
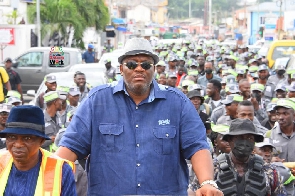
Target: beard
138, 89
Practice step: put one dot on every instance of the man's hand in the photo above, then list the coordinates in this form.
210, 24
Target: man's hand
208, 190
255, 103
277, 159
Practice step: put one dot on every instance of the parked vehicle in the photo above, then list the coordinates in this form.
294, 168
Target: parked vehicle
279, 49
291, 63
113, 56
89, 67
37, 62
67, 79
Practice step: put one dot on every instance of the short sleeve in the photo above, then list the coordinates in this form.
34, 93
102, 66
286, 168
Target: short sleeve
4, 75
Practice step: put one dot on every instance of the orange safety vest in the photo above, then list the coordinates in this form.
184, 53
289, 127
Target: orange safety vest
49, 179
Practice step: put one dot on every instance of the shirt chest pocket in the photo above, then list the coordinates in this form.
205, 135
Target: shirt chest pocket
111, 137
164, 141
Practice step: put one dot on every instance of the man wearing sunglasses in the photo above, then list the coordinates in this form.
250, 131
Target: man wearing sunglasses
139, 134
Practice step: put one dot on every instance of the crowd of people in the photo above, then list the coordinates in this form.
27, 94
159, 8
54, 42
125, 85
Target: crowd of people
198, 118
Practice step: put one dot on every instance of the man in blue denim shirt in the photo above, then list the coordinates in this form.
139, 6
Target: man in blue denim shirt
139, 133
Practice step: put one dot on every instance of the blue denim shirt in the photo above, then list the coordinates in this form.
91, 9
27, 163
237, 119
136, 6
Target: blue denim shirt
136, 149
88, 57
204, 81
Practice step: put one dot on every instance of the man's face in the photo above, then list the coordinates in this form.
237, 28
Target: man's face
245, 112
171, 81
231, 109
23, 148
201, 60
222, 145
172, 63
80, 80
208, 66
138, 80
263, 74
8, 64
281, 94
108, 65
272, 117
3, 118
58, 104
162, 79
291, 94
265, 152
73, 99
232, 62
245, 89
210, 91
51, 86
240, 77
285, 117
159, 69
196, 101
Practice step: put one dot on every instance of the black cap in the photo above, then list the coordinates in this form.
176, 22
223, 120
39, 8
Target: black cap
241, 127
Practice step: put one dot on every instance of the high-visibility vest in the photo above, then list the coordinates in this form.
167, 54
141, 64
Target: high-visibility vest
50, 173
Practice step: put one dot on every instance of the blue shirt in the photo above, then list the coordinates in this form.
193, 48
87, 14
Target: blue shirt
204, 81
24, 183
136, 149
88, 57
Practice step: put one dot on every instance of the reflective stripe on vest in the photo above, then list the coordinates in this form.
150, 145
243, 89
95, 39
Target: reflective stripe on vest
49, 179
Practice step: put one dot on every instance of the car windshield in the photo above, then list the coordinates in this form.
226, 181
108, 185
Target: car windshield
280, 61
67, 79
283, 51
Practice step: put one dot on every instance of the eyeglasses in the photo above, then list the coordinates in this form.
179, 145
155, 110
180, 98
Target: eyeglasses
133, 64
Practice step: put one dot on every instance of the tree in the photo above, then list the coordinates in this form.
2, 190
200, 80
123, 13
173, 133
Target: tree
59, 15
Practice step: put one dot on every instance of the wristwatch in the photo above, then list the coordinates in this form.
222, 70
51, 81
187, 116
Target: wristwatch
211, 182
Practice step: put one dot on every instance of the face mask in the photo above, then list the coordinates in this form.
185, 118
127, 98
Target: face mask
208, 71
242, 148
281, 72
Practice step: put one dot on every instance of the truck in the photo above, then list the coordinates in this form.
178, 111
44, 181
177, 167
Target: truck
36, 62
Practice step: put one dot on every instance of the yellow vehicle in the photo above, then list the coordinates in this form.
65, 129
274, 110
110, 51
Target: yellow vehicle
279, 49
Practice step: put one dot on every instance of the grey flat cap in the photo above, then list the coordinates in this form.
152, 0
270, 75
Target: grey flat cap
137, 46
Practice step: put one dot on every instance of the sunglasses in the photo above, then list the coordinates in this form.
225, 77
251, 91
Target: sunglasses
133, 64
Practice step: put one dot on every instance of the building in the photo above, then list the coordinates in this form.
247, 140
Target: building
12, 11
265, 17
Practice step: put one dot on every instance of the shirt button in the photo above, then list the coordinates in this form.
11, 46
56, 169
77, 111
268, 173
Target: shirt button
136, 107
138, 164
137, 145
138, 184
136, 126
167, 135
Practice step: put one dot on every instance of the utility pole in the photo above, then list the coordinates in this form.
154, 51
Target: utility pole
190, 9
280, 21
210, 15
38, 22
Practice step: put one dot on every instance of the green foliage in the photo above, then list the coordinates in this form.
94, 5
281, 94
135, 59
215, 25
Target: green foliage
58, 15
12, 17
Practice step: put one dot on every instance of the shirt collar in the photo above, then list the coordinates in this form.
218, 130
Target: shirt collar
155, 93
46, 116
